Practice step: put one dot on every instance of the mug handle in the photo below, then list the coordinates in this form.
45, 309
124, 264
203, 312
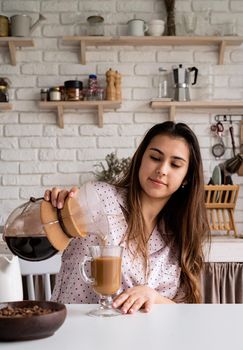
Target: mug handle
145, 27
83, 274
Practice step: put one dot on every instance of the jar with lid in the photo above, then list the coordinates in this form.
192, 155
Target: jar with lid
36, 230
4, 90
55, 93
44, 94
95, 25
73, 89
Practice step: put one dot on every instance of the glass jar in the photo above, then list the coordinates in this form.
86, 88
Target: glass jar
55, 93
92, 81
73, 90
163, 83
44, 94
100, 94
3, 94
90, 94
95, 25
4, 84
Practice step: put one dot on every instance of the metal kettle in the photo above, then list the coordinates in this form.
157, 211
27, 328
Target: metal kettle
21, 25
182, 81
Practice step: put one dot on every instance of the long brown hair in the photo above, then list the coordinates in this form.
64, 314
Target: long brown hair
184, 214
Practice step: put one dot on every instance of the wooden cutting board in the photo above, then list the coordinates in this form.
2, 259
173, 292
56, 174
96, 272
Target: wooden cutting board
240, 171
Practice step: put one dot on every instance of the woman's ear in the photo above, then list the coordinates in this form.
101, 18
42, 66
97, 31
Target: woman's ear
184, 183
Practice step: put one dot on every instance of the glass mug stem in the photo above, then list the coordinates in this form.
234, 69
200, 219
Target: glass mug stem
105, 302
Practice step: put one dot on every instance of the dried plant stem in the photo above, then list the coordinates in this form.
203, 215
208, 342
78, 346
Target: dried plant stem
170, 8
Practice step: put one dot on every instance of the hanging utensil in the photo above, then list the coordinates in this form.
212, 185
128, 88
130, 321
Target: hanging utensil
218, 149
240, 171
232, 165
231, 130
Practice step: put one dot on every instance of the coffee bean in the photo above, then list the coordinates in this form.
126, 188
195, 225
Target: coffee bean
24, 311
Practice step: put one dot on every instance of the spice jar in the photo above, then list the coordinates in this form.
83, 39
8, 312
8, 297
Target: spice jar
55, 94
92, 82
3, 90
100, 94
44, 94
95, 25
73, 90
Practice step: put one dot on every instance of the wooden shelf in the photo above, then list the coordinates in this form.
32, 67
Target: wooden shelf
100, 106
173, 105
221, 42
5, 106
12, 43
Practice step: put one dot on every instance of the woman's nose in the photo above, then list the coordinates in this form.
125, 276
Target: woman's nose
162, 170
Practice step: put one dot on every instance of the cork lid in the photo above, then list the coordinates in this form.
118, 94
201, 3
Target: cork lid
61, 225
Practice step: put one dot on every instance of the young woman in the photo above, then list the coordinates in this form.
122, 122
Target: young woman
157, 213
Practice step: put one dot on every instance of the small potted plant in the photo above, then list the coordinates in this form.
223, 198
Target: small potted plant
113, 170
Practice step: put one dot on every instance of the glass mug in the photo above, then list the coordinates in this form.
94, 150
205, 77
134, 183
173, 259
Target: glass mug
105, 277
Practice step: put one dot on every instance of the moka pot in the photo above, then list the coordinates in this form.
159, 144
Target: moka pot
182, 81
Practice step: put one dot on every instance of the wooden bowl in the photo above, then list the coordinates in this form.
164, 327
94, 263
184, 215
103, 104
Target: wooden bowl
14, 328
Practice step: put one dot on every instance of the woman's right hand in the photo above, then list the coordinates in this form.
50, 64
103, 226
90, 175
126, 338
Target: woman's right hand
57, 196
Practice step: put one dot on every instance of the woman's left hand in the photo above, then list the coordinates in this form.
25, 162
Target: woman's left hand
136, 298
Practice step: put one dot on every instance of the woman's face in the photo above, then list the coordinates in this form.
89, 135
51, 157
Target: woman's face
164, 166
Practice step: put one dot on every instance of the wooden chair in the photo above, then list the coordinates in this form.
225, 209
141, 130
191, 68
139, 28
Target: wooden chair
37, 276
220, 202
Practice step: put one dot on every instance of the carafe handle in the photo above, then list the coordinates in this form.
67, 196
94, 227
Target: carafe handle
194, 69
83, 274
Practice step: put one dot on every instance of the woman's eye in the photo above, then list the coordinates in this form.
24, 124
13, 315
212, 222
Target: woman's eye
176, 165
155, 158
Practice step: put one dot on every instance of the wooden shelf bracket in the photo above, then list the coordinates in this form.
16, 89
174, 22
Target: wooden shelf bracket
222, 46
12, 43
60, 106
60, 117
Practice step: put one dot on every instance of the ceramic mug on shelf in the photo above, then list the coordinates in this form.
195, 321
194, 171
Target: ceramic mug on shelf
137, 27
156, 27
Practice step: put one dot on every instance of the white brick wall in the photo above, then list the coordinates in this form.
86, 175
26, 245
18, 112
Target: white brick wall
36, 154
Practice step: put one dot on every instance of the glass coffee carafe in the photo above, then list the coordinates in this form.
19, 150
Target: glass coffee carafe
36, 230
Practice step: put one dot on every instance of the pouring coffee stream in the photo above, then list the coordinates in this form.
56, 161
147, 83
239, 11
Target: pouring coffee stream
36, 230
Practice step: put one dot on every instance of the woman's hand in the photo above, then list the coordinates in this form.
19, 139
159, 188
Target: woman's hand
136, 298
57, 196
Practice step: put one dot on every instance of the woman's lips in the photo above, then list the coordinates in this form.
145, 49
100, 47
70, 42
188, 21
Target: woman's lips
158, 182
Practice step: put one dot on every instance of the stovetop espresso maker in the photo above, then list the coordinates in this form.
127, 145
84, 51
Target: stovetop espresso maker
182, 81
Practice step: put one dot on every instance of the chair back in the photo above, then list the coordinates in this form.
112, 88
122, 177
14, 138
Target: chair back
38, 276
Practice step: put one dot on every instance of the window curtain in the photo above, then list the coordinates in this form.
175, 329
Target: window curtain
222, 283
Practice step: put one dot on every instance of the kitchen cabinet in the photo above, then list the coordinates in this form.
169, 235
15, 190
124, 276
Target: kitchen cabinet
220, 42
172, 106
99, 106
12, 43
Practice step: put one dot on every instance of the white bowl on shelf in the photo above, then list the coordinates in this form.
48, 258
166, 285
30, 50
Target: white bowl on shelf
156, 27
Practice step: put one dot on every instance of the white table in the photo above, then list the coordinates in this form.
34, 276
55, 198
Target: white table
167, 327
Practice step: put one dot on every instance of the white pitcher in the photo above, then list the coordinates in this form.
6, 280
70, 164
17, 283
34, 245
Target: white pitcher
11, 288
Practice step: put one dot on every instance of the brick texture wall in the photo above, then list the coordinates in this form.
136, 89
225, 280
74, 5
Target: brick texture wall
36, 154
